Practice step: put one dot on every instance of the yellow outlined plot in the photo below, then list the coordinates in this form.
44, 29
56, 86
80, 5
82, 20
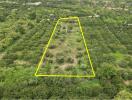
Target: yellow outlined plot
47, 46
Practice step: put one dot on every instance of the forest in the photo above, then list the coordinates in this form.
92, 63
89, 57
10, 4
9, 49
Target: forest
25, 29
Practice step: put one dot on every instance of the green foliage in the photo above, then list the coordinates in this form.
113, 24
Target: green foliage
30, 25
70, 60
20, 29
123, 95
107, 71
60, 60
2, 18
110, 79
32, 15
49, 54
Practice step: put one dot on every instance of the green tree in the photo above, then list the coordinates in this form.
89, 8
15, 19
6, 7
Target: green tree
110, 79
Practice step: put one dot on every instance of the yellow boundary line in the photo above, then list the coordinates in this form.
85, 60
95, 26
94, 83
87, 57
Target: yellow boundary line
45, 50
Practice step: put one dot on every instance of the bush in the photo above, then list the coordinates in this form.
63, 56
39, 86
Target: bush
107, 71
78, 40
70, 27
56, 67
79, 48
60, 60
32, 15
123, 95
30, 25
79, 55
69, 68
2, 18
123, 63
79, 61
50, 61
19, 28
124, 74
127, 75
62, 39
111, 90
48, 54
53, 46
70, 60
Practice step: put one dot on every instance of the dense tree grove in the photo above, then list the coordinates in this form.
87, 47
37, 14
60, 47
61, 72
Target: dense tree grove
25, 28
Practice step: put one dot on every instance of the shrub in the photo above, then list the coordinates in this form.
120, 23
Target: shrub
48, 54
123, 63
70, 28
78, 40
126, 75
79, 48
79, 61
60, 60
69, 68
110, 90
79, 55
56, 36
2, 18
70, 60
30, 25
50, 61
53, 46
19, 28
56, 67
126, 95
32, 15
62, 39
107, 71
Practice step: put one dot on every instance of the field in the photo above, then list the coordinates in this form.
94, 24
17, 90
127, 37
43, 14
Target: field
25, 29
66, 54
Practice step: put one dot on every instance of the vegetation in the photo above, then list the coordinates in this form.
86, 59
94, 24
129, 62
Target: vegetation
25, 28
64, 50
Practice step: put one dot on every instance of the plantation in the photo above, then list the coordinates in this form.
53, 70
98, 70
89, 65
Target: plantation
64, 52
25, 29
